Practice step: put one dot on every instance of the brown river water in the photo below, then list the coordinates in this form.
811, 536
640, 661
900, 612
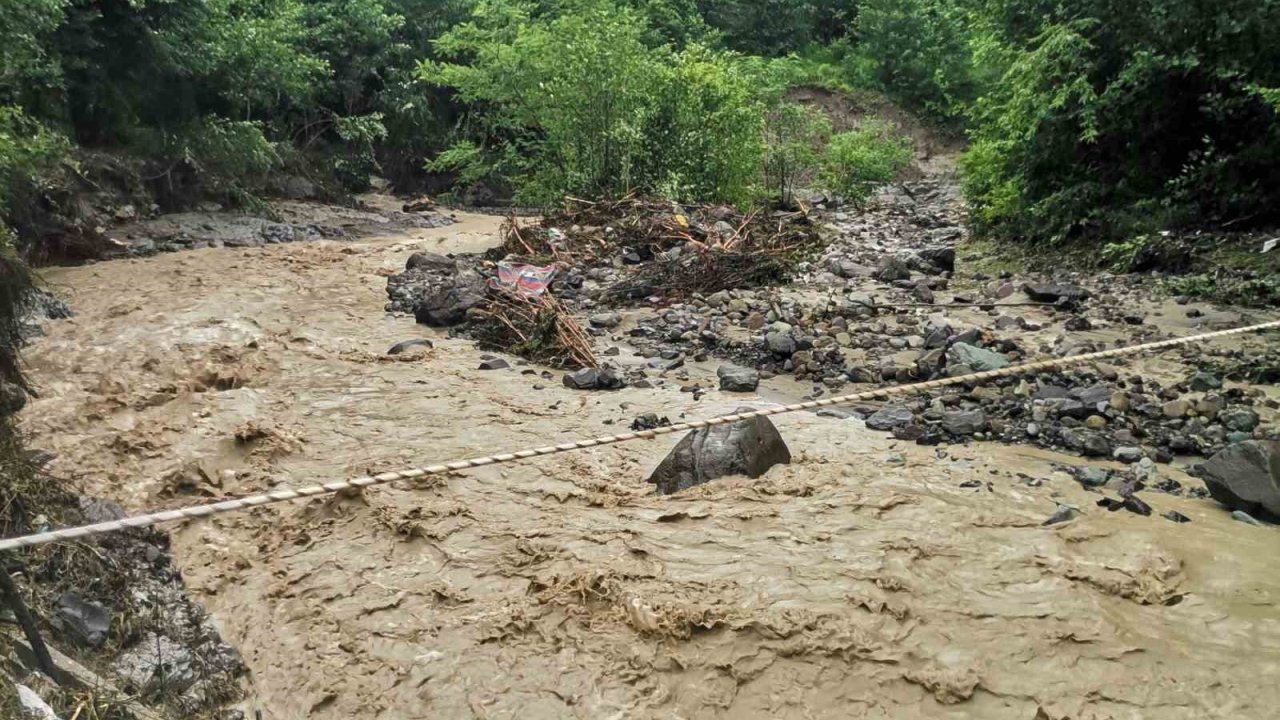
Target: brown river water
841, 586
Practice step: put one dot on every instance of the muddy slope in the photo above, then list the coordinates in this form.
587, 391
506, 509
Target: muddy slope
872, 578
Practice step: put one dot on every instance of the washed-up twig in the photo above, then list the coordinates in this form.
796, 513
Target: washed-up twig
13, 598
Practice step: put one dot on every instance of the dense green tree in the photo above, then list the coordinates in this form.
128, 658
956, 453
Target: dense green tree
919, 49
778, 27
586, 103
1109, 118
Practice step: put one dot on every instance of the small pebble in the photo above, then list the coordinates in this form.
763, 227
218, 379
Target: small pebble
1245, 518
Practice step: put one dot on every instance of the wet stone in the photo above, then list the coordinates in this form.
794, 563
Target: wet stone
1239, 419
1203, 382
593, 379
85, 622
738, 379
979, 359
1246, 477
407, 345
747, 447
964, 422
1044, 292
890, 418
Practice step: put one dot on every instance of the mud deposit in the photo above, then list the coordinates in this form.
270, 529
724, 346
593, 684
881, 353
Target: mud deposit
872, 578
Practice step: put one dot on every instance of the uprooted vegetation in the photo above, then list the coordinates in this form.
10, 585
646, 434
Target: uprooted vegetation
534, 327
669, 249
518, 298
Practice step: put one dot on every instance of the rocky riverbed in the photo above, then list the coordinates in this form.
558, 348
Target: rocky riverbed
944, 556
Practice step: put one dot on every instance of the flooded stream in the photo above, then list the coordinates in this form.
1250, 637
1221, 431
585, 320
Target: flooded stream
869, 579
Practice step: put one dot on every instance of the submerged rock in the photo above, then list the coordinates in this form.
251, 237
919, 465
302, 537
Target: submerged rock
1246, 477
407, 345
747, 447
1065, 513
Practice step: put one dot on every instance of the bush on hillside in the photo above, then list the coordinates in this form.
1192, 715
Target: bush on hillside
856, 162
794, 135
580, 104
919, 52
1108, 120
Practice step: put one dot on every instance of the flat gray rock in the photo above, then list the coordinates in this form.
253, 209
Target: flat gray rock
980, 359
1246, 477
890, 418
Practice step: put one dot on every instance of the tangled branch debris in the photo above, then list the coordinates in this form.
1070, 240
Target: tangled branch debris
675, 249
535, 327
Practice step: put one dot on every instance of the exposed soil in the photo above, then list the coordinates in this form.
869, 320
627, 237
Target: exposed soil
871, 578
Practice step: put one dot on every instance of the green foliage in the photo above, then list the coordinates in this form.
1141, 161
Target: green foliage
837, 67
465, 160
704, 139
776, 28
1107, 121
856, 162
360, 135
573, 92
26, 69
253, 55
581, 104
793, 137
919, 52
27, 151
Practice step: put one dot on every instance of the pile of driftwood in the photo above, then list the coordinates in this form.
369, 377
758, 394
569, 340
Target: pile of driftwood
670, 248
534, 327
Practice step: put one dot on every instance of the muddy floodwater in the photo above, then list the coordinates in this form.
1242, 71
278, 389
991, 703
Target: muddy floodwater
871, 578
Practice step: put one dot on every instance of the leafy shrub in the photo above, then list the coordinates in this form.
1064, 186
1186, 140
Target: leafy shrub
856, 162
704, 139
580, 104
793, 137
1109, 121
919, 50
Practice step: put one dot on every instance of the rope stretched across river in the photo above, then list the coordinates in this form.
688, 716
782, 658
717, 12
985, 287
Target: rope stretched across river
199, 511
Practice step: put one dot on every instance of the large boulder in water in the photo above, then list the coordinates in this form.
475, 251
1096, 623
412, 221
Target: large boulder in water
448, 304
1246, 476
747, 447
